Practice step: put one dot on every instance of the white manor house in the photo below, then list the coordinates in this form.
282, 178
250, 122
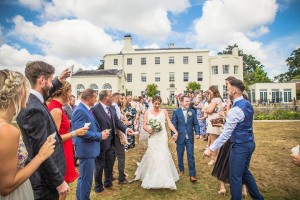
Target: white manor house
171, 69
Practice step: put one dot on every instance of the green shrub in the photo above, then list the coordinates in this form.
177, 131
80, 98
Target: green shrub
277, 115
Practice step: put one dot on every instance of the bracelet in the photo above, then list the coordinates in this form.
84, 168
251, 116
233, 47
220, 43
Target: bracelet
73, 133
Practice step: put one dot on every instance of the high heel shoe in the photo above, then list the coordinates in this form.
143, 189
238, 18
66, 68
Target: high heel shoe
222, 191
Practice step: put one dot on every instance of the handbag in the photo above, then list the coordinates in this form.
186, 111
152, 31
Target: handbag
219, 120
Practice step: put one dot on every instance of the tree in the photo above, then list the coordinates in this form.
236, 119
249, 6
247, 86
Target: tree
252, 69
293, 62
151, 89
193, 86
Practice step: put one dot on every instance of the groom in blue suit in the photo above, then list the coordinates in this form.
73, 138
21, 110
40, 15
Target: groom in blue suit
87, 146
185, 121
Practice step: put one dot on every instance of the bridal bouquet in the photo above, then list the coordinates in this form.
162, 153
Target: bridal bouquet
155, 125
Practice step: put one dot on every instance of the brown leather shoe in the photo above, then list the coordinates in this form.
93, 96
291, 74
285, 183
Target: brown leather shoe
126, 181
193, 179
180, 174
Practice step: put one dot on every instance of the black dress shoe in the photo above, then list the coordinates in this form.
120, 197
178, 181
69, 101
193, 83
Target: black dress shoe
125, 182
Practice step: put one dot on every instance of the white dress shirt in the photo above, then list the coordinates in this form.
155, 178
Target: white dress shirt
38, 95
234, 116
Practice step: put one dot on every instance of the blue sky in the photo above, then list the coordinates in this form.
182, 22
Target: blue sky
80, 32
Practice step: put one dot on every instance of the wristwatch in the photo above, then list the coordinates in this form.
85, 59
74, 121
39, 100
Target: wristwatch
73, 133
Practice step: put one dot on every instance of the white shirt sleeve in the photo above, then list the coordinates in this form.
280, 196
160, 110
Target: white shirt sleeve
234, 116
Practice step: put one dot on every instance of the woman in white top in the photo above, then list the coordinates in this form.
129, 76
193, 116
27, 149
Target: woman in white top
215, 106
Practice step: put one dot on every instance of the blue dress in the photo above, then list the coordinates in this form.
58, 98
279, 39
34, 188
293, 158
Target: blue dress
202, 123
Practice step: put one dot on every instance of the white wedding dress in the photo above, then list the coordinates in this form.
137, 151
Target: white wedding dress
157, 169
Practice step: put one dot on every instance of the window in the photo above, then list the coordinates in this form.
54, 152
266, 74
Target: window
185, 76
199, 59
106, 86
263, 95
214, 69
224, 92
143, 61
115, 61
185, 60
143, 77
157, 77
129, 61
79, 89
225, 69
128, 93
200, 76
276, 96
171, 60
158, 93
93, 86
236, 69
157, 60
129, 78
171, 76
287, 95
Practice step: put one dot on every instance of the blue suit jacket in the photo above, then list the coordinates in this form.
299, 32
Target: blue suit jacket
87, 146
182, 128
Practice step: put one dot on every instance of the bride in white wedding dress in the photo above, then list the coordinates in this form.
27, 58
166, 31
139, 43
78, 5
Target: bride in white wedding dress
157, 169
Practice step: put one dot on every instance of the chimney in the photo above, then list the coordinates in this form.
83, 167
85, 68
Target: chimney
235, 50
127, 44
171, 46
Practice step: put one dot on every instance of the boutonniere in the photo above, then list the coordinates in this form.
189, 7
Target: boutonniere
190, 113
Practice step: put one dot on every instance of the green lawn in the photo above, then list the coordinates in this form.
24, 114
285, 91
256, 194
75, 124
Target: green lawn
276, 176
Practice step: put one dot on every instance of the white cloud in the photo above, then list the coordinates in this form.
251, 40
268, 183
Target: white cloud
226, 22
152, 46
67, 39
222, 19
147, 18
1, 36
32, 4
16, 59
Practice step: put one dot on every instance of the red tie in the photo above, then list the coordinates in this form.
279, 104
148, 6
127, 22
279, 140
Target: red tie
91, 112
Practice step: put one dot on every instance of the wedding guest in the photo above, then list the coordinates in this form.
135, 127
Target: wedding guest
239, 129
87, 146
221, 168
185, 122
215, 106
36, 125
69, 107
108, 119
15, 184
141, 109
130, 114
120, 141
58, 99
199, 104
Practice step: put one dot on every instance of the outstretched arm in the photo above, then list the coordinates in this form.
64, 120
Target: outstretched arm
173, 129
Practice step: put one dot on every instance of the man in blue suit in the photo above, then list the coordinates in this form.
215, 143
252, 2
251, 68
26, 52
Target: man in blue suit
185, 121
87, 146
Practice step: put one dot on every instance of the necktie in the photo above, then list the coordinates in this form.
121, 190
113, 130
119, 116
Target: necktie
108, 111
91, 112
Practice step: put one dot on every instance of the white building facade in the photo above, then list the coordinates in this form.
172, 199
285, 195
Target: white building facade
272, 92
171, 69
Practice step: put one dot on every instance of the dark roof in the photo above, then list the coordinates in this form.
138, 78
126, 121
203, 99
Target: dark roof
104, 72
152, 49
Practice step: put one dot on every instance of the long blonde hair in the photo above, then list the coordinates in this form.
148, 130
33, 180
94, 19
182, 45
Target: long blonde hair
14, 87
